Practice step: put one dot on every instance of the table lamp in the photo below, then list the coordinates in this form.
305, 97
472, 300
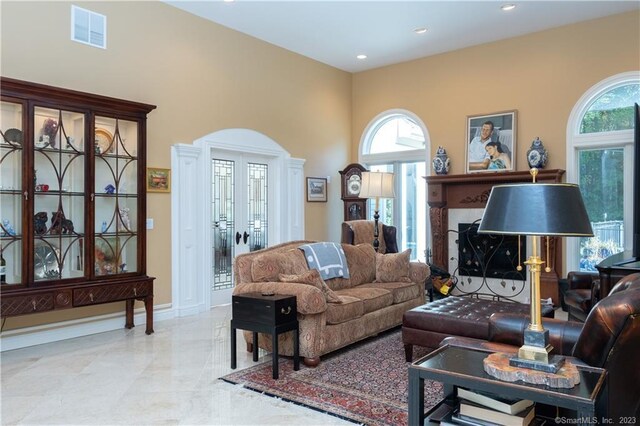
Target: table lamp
536, 209
376, 185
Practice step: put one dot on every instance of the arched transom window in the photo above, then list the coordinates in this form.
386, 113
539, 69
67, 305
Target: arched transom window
396, 141
600, 160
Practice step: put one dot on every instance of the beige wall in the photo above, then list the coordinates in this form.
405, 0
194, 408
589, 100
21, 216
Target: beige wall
541, 75
203, 78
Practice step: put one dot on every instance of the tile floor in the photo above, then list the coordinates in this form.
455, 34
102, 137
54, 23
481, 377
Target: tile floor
124, 377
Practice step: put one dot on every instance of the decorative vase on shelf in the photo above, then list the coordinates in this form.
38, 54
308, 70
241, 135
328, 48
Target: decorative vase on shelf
537, 154
441, 162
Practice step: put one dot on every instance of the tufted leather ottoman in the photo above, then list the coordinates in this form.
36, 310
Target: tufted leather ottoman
463, 316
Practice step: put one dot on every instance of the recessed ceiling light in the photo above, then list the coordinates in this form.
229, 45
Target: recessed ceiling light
228, 1
361, 56
508, 7
420, 30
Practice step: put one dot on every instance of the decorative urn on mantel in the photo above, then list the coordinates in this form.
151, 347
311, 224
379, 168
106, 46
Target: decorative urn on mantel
441, 162
537, 154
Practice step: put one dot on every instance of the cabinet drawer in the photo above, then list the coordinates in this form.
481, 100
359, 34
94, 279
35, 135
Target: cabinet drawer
20, 305
110, 293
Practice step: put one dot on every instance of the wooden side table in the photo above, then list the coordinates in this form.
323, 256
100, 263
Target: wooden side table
265, 314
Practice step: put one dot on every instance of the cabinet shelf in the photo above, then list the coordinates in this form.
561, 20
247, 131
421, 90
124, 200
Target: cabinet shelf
116, 195
46, 271
121, 157
58, 193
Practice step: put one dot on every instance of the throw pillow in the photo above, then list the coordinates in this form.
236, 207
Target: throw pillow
312, 277
393, 267
328, 258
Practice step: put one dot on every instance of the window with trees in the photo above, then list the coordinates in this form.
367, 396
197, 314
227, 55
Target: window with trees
396, 141
600, 160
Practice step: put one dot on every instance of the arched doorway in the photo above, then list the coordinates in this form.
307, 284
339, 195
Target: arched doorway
228, 183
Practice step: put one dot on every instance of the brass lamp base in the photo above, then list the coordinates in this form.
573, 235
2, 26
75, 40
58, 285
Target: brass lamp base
534, 354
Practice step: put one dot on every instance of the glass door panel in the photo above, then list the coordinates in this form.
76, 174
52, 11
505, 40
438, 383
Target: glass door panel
116, 196
257, 221
59, 193
223, 227
11, 194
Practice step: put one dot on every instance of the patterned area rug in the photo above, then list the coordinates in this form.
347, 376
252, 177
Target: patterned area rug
364, 383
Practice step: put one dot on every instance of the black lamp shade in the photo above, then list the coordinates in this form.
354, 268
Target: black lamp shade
536, 209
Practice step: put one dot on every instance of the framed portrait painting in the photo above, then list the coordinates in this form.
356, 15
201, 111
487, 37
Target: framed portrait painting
317, 190
158, 180
491, 142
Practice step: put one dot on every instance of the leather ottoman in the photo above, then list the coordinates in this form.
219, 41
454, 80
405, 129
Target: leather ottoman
463, 316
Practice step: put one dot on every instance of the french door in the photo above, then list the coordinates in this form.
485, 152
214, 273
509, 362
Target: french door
240, 194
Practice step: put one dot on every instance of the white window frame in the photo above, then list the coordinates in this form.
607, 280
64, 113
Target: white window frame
615, 139
397, 157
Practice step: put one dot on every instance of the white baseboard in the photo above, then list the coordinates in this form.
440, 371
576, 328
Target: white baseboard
47, 333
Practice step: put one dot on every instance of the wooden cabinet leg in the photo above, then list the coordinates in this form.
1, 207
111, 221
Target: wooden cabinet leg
148, 307
129, 314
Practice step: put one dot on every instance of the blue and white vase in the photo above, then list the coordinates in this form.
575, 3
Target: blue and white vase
537, 155
441, 162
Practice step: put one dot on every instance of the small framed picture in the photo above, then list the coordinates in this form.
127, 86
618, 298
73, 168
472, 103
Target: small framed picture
316, 190
491, 142
158, 180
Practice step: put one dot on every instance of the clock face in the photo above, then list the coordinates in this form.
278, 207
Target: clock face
353, 185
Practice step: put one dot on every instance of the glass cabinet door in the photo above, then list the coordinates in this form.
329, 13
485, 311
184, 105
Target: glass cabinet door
59, 194
116, 196
11, 194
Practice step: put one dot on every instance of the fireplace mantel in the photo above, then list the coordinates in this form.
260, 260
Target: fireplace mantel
471, 191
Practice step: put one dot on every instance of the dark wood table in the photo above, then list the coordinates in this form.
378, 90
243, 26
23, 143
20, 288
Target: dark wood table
265, 314
455, 366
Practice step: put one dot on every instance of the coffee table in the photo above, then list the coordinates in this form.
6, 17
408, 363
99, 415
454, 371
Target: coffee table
455, 366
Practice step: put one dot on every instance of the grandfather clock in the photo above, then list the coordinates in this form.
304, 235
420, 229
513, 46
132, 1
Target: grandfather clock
351, 179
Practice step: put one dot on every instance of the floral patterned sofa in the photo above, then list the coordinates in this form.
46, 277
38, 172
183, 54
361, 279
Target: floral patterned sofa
380, 289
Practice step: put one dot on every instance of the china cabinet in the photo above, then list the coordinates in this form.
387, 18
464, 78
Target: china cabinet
72, 192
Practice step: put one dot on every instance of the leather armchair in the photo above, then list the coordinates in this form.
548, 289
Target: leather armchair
361, 231
609, 339
583, 292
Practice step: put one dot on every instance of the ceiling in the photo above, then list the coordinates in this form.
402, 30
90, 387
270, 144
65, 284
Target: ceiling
335, 32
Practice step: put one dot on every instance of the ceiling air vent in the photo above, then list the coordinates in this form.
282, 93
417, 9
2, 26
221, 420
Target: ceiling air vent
88, 27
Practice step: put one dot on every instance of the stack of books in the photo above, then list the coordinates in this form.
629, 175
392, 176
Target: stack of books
480, 408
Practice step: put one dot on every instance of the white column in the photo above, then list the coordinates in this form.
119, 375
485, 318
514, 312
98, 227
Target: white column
295, 199
186, 210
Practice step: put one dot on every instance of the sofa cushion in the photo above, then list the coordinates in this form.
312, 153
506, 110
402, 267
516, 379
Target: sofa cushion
362, 266
393, 267
350, 308
373, 299
312, 277
269, 266
401, 291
